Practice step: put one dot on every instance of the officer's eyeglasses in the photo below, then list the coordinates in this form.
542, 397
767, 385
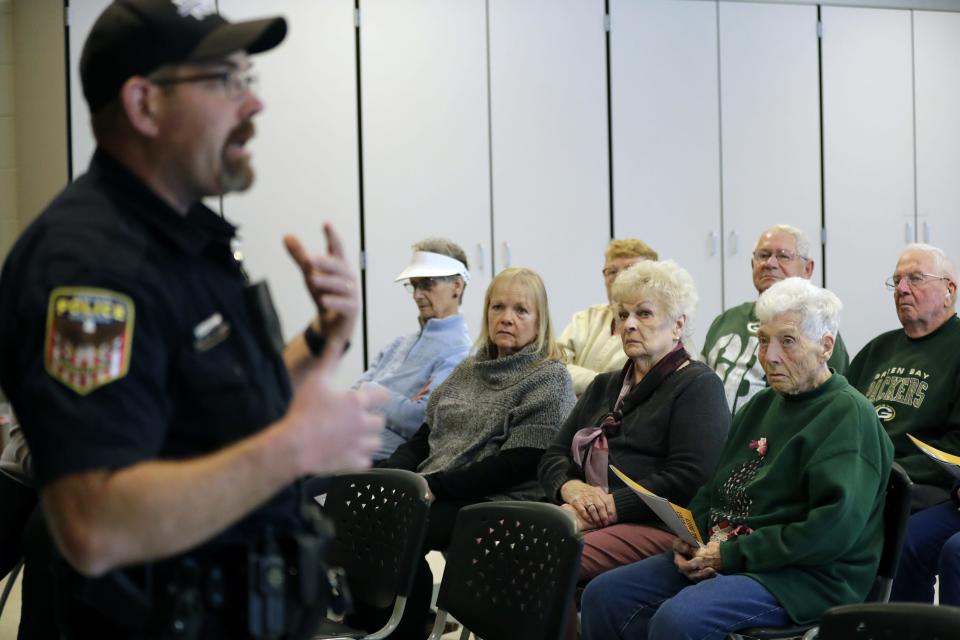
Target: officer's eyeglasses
914, 280
234, 82
782, 255
423, 284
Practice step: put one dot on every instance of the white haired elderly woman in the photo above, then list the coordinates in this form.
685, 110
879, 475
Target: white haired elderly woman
661, 419
794, 511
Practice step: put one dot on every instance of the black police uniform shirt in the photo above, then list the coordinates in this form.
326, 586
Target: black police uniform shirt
126, 335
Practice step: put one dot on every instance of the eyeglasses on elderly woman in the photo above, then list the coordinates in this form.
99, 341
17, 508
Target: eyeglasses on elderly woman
425, 284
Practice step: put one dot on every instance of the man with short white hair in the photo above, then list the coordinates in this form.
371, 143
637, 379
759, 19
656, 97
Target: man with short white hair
730, 348
912, 375
412, 366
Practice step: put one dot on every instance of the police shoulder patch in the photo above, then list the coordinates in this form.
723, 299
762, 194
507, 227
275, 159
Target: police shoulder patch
89, 337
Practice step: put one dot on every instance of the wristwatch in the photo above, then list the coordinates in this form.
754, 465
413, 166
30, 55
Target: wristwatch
315, 340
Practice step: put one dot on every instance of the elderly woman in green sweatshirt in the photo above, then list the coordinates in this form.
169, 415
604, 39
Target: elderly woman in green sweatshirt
794, 512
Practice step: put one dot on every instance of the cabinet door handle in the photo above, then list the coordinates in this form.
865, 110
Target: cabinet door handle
506, 255
481, 257
908, 232
734, 241
712, 243
926, 232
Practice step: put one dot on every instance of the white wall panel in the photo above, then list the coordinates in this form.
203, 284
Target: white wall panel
80, 15
425, 148
868, 161
304, 153
770, 128
548, 101
665, 120
936, 42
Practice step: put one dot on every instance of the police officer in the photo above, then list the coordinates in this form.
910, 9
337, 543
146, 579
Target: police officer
169, 425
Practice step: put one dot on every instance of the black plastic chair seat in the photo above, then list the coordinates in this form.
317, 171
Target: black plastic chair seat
380, 520
891, 621
511, 570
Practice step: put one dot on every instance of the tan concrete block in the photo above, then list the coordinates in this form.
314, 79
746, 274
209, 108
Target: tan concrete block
6, 90
9, 231
6, 38
7, 144
9, 201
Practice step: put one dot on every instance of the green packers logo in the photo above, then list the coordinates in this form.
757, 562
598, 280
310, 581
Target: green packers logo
886, 413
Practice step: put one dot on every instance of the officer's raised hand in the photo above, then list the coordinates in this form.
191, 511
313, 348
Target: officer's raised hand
332, 431
331, 284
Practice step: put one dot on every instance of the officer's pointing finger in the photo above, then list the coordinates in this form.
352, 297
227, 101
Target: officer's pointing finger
334, 245
297, 252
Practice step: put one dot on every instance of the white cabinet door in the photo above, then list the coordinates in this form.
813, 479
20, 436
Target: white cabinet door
426, 168
665, 126
80, 19
549, 157
936, 42
868, 161
304, 154
770, 128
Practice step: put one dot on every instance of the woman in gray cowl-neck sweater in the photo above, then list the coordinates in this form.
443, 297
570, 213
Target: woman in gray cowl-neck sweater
489, 423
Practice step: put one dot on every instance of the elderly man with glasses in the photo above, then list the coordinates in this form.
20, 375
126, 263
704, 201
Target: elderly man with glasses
731, 345
912, 375
412, 366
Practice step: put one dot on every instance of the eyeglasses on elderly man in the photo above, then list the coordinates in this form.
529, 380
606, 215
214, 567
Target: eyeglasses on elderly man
914, 280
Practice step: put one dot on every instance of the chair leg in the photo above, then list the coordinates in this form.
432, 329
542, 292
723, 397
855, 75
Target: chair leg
7, 588
439, 624
398, 606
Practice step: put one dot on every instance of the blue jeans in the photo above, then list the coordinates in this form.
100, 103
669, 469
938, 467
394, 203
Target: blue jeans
932, 547
651, 599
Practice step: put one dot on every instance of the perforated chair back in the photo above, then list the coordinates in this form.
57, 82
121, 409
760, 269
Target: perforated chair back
890, 621
511, 570
896, 513
380, 520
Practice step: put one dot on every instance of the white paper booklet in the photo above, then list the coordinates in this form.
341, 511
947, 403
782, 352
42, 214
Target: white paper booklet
679, 520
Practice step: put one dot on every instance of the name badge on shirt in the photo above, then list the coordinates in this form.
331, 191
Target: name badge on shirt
210, 333
89, 337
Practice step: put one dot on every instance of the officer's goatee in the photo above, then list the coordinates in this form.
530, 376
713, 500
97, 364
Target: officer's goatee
236, 173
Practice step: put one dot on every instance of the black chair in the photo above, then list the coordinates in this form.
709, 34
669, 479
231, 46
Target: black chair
890, 621
510, 572
380, 520
896, 512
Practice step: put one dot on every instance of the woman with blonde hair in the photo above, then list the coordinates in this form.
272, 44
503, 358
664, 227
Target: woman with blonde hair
661, 418
488, 424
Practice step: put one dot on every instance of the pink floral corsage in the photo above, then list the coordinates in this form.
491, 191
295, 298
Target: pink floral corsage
760, 445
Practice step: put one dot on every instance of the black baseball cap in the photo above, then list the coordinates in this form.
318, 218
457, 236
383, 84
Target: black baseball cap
137, 37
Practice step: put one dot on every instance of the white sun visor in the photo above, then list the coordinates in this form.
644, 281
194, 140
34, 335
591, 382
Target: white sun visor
426, 264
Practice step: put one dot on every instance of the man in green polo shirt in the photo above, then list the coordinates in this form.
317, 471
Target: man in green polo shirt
730, 348
912, 375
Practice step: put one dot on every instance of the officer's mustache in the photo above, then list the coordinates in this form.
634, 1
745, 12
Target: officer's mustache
242, 133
